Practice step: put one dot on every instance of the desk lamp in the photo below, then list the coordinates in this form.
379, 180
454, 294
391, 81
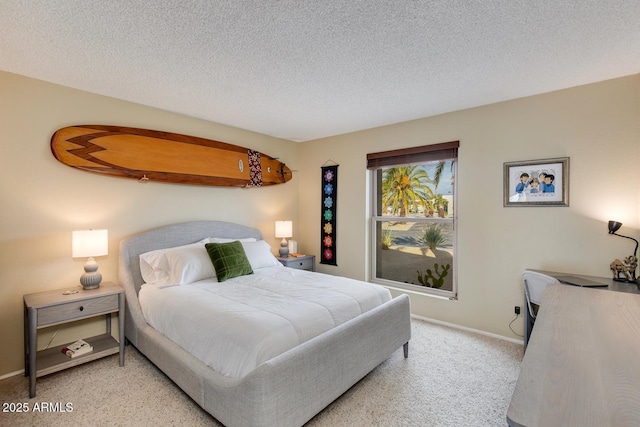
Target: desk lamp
630, 263
284, 229
90, 243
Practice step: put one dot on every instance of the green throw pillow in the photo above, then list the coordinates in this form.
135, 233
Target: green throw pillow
229, 260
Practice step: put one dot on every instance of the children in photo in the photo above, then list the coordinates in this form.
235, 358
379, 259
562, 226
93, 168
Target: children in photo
549, 187
542, 182
524, 182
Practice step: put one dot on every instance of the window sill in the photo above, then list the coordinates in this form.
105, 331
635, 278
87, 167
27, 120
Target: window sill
409, 289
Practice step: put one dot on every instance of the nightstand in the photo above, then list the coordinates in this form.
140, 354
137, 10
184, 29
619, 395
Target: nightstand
305, 262
44, 309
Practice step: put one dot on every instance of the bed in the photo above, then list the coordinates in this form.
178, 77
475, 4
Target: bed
287, 389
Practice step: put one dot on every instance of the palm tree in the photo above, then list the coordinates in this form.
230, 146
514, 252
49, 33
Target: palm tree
439, 170
405, 186
438, 203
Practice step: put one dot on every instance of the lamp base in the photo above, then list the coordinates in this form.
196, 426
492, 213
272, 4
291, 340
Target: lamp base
91, 278
284, 248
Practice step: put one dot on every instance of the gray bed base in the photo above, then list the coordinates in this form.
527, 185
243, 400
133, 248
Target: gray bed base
287, 390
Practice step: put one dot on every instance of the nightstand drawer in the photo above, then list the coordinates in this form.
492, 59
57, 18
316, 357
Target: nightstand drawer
303, 264
77, 309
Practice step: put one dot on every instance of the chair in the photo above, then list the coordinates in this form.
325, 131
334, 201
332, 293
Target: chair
534, 285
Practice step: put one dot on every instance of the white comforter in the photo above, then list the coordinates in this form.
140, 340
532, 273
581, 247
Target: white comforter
236, 325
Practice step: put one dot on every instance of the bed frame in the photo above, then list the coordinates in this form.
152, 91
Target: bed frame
287, 390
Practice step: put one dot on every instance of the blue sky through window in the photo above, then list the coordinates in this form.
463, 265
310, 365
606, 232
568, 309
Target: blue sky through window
445, 186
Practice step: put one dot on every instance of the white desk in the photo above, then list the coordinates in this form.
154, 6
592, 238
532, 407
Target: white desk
610, 285
582, 366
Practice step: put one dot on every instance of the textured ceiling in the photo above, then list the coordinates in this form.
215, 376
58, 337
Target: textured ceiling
303, 70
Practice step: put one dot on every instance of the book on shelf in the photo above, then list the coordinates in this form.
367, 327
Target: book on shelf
77, 348
297, 255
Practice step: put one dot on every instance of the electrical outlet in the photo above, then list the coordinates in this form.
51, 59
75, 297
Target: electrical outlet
516, 309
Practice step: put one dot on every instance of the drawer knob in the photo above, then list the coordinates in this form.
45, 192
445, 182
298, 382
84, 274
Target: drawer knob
81, 308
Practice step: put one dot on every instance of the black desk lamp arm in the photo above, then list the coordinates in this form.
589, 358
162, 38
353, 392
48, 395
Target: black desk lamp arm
635, 251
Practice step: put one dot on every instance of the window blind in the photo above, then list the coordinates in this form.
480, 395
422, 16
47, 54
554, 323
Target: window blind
404, 156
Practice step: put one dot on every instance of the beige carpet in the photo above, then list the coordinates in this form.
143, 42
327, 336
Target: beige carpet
451, 378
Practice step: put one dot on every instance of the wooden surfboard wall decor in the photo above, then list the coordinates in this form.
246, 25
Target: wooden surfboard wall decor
149, 155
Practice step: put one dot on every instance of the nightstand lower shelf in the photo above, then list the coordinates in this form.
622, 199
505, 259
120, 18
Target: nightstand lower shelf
53, 360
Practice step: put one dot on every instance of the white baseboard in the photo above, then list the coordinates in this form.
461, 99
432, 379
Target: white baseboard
11, 374
464, 328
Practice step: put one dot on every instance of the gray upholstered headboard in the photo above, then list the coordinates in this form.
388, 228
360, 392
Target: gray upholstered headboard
170, 236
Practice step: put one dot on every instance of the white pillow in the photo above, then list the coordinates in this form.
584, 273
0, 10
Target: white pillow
178, 265
189, 265
259, 254
223, 240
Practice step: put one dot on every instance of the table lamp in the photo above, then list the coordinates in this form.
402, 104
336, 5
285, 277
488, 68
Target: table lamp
630, 264
90, 243
284, 229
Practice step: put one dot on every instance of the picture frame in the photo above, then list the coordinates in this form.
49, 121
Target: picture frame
523, 186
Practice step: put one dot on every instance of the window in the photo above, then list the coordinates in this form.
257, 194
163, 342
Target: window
413, 231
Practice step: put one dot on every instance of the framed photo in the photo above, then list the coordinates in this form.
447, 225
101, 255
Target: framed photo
537, 182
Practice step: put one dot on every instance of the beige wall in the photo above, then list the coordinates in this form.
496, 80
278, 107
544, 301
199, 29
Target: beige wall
597, 126
44, 200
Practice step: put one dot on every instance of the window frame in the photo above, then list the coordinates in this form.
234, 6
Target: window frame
403, 157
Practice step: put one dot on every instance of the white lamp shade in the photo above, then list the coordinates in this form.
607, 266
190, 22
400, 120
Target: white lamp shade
89, 243
284, 229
